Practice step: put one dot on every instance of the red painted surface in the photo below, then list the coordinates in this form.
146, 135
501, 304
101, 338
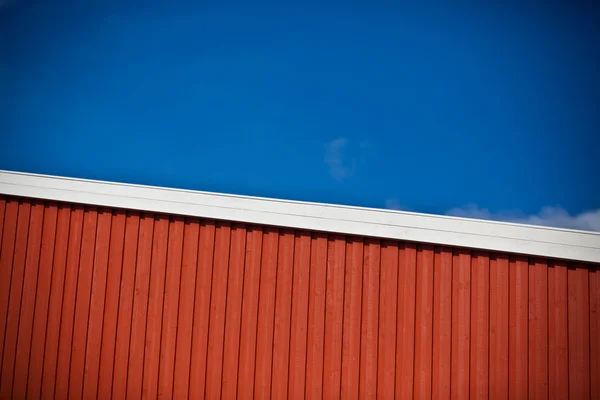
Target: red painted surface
108, 303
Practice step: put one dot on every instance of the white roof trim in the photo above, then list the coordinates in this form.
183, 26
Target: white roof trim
442, 230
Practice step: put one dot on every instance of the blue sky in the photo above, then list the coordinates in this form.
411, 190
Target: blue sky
490, 111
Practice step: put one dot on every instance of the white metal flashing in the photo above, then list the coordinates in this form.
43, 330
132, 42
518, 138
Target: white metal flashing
442, 230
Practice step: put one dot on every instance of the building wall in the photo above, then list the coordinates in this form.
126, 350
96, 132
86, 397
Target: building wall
99, 301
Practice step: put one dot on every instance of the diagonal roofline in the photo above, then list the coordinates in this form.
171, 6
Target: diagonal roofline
416, 227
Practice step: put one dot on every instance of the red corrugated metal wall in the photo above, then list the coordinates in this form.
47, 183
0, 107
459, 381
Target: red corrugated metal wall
108, 303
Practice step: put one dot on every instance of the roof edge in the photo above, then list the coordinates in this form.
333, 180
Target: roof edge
434, 229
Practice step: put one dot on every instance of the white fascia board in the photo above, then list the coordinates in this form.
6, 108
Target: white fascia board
442, 230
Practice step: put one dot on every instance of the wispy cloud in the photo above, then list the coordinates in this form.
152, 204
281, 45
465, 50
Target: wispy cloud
340, 165
394, 204
553, 216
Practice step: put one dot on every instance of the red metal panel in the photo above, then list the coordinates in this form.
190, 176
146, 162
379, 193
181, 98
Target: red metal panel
518, 326
480, 307
370, 320
388, 302
405, 332
7, 253
299, 317
283, 303
266, 313
249, 322
316, 317
113, 285
461, 317
579, 330
499, 299
68, 304
82, 302
424, 323
218, 299
14, 300
96, 313
57, 291
130, 250
204, 273
2, 208
41, 302
558, 337
352, 318
234, 311
154, 314
442, 323
137, 342
108, 303
538, 329
171, 307
334, 317
34, 244
594, 278
186, 309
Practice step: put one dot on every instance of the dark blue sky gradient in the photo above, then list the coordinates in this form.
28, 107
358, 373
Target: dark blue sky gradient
437, 106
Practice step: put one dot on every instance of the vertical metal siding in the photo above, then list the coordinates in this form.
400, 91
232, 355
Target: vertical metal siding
108, 303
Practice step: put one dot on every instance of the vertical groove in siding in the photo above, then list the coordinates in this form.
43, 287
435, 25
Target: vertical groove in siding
538, 329
352, 317
558, 337
183, 348
578, 328
107, 303
283, 304
498, 345
30, 280
423, 323
140, 307
126, 296
299, 316
206, 252
370, 319
334, 316
480, 307
113, 282
14, 299
388, 302
266, 312
461, 318
154, 315
57, 291
249, 322
594, 290
38, 339
233, 312
82, 302
442, 323
218, 304
170, 308
63, 365
7, 253
405, 331
96, 310
316, 316
2, 214
518, 327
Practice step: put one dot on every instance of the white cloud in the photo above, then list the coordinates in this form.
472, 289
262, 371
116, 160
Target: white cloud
553, 216
340, 166
394, 204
